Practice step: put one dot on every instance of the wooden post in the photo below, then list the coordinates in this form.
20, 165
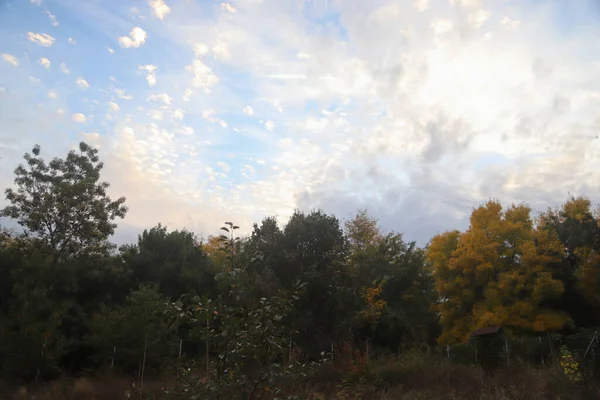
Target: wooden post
37, 374
550, 344
331, 353
180, 345
207, 330
143, 364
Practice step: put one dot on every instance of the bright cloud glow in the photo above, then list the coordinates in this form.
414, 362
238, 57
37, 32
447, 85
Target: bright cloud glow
136, 38
9, 58
417, 110
43, 39
159, 8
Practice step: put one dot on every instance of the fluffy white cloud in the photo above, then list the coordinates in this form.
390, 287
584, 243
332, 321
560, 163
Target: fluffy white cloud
204, 77
43, 39
112, 106
64, 69
45, 62
82, 83
159, 8
79, 118
52, 94
136, 38
36, 2
9, 58
34, 80
398, 106
72, 41
111, 50
151, 73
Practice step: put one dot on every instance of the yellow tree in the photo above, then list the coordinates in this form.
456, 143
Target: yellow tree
213, 249
498, 272
373, 308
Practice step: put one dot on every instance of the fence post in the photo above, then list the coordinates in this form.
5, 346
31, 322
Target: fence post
112, 362
507, 352
590, 345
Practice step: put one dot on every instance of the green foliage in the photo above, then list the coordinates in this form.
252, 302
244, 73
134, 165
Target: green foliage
63, 204
145, 323
248, 341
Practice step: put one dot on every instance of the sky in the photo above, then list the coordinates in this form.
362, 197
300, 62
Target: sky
208, 111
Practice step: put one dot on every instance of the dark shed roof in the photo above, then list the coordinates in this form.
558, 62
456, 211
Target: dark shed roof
487, 331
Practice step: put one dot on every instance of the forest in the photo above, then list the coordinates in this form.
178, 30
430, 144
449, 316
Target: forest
314, 308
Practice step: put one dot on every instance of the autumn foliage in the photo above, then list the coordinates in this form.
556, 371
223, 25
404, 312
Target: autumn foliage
505, 269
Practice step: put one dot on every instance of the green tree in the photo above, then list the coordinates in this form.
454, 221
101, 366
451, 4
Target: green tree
175, 261
63, 204
578, 229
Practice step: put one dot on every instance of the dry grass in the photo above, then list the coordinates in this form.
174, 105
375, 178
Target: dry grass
413, 377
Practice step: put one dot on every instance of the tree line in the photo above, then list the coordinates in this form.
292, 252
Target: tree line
71, 301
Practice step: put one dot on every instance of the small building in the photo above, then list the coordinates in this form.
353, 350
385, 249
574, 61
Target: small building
489, 344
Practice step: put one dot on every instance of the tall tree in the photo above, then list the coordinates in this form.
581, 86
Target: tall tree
63, 203
578, 229
500, 273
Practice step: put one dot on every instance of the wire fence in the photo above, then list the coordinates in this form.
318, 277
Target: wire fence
583, 347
